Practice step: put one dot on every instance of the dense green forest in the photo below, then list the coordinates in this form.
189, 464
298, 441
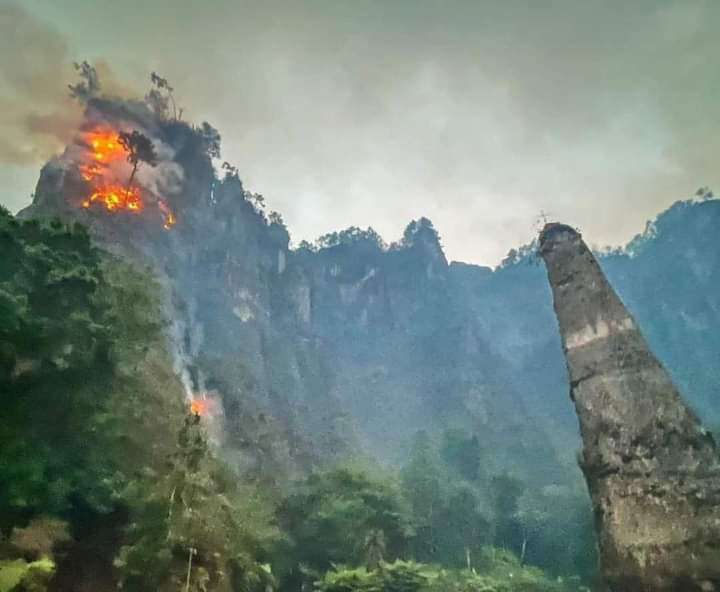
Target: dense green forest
109, 480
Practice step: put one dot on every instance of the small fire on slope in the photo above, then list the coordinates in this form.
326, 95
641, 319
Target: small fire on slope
201, 407
168, 216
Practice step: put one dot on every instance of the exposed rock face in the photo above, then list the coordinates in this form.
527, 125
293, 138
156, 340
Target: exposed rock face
315, 353
652, 471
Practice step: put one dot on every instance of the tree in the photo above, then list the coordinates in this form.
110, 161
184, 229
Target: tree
55, 372
196, 528
276, 218
506, 492
421, 481
352, 236
231, 171
160, 95
211, 139
420, 231
139, 149
89, 85
462, 529
374, 548
461, 451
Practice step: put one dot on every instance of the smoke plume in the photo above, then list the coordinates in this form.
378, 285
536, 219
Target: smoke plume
37, 115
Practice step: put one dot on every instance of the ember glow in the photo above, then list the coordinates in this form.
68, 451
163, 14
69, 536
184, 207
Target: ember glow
116, 198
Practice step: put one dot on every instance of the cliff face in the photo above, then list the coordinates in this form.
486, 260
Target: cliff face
318, 353
652, 470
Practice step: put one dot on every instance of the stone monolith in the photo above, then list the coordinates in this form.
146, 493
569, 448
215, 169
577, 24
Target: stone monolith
651, 469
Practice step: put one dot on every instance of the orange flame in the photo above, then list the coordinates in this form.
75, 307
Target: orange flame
200, 407
116, 198
90, 172
104, 146
169, 218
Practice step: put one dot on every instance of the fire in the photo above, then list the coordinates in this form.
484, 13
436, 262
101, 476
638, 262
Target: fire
200, 407
104, 146
90, 172
169, 218
102, 149
116, 198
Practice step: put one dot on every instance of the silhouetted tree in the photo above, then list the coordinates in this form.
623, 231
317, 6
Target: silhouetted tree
139, 149
159, 96
89, 85
211, 138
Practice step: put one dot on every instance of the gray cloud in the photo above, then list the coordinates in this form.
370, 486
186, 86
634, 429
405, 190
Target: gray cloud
476, 114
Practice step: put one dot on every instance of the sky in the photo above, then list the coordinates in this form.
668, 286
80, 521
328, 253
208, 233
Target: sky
484, 116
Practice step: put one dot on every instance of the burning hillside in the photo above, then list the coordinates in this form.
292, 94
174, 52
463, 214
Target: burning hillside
108, 161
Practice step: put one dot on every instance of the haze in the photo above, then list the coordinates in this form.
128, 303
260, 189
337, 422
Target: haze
478, 115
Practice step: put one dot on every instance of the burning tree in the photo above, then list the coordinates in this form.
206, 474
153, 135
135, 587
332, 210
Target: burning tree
139, 149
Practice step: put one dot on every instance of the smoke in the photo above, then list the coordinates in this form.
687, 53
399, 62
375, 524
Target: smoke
38, 118
167, 177
36, 114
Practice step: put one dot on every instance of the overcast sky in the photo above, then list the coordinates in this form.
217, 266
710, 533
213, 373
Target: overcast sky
476, 114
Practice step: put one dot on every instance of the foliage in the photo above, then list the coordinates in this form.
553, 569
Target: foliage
55, 371
196, 510
139, 149
399, 576
89, 85
501, 571
418, 232
160, 97
20, 576
422, 481
211, 139
93, 421
524, 255
441, 487
336, 517
352, 236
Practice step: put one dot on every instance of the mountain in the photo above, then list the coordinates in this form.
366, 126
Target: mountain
351, 347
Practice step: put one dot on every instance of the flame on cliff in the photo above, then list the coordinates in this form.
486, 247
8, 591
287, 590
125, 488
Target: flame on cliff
115, 198
104, 145
104, 166
168, 216
201, 407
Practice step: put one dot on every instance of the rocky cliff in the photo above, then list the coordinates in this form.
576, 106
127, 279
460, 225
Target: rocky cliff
352, 345
318, 353
653, 472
